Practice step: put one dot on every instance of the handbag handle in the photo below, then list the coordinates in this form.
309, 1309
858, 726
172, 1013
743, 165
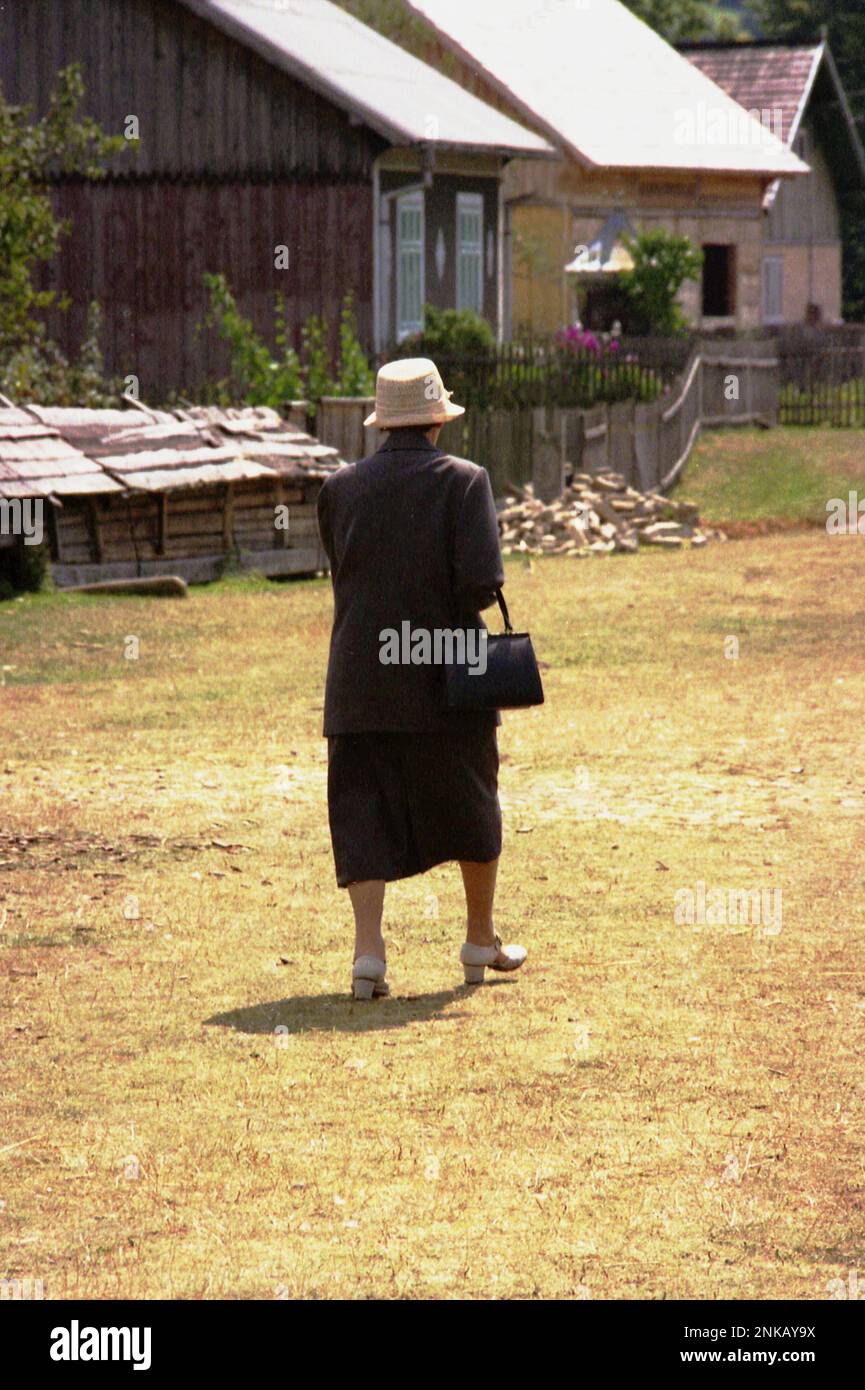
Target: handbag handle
505, 614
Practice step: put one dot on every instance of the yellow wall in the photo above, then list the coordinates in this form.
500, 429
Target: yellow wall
539, 249
705, 208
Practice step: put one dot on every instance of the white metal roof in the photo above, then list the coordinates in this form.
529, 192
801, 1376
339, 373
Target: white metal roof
607, 87
404, 99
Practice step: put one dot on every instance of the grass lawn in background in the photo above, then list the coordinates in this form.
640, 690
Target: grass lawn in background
762, 479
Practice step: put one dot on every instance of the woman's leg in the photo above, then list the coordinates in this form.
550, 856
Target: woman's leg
479, 881
367, 900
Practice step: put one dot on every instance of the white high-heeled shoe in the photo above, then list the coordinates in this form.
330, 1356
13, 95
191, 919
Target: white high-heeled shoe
367, 978
477, 959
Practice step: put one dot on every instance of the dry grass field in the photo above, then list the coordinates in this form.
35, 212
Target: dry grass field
194, 1107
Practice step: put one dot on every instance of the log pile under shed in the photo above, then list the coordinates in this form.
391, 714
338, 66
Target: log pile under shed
596, 514
145, 492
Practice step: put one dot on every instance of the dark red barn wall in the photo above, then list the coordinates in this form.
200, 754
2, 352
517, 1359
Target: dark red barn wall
142, 248
235, 157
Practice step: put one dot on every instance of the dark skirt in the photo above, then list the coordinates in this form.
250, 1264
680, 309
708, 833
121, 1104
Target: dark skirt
400, 803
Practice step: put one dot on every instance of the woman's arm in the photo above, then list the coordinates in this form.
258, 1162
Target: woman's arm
323, 514
478, 569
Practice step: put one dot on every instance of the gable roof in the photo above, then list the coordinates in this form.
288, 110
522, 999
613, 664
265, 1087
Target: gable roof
605, 86
376, 81
773, 76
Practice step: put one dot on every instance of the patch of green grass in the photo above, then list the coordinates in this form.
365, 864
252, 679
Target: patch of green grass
785, 474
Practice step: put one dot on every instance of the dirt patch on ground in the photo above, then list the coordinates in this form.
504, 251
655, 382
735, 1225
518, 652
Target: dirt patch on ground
765, 526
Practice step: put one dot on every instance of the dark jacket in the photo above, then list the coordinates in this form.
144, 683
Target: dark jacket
411, 535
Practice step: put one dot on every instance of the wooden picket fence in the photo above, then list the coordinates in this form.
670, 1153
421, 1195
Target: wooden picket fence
648, 442
825, 387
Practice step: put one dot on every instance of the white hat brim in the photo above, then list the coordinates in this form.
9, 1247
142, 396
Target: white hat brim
393, 422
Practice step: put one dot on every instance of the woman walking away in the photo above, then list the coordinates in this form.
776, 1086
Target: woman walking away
412, 539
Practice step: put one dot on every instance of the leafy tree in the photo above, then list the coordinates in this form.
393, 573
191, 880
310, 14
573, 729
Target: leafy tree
63, 141
662, 263
680, 20
677, 20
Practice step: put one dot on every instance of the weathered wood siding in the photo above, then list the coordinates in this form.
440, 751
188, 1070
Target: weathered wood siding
141, 249
235, 159
206, 105
192, 532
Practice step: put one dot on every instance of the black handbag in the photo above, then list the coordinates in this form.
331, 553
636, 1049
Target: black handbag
511, 679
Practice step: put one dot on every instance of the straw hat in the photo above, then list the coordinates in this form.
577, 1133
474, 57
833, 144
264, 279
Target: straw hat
411, 392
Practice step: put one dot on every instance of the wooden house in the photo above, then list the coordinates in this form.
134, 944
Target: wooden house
128, 493
796, 89
643, 136
286, 145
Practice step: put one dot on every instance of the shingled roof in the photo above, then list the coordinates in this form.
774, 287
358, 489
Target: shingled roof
784, 77
55, 452
762, 76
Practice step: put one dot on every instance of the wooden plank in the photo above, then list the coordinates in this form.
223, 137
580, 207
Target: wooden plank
228, 516
95, 536
281, 502
54, 534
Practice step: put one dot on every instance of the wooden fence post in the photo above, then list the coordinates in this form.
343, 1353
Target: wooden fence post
547, 465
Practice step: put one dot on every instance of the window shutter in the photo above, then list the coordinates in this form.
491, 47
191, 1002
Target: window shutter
470, 255
409, 263
773, 289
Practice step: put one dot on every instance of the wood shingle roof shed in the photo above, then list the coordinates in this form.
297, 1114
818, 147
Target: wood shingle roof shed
382, 86
37, 461
604, 86
145, 492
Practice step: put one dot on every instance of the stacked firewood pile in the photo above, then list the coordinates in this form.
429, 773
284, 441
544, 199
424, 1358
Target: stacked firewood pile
597, 513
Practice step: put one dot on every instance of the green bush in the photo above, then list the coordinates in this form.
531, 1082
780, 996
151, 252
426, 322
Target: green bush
261, 378
23, 568
662, 263
354, 375
316, 355
37, 370
449, 333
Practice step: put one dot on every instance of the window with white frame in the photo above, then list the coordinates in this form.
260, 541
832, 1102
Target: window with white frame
409, 264
470, 251
773, 289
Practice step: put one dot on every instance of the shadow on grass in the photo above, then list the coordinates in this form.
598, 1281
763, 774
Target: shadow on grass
328, 1013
